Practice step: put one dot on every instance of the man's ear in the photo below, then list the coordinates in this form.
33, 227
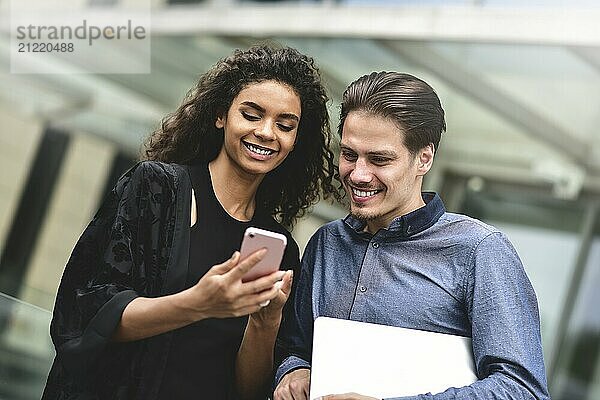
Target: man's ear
425, 159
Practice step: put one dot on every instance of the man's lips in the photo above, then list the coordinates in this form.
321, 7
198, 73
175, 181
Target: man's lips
362, 194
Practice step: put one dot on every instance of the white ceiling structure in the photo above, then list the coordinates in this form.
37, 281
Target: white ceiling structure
520, 86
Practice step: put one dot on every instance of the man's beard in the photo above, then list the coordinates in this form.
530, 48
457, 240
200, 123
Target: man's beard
357, 212
363, 215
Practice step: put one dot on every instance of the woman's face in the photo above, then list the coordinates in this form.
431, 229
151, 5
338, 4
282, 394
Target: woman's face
260, 126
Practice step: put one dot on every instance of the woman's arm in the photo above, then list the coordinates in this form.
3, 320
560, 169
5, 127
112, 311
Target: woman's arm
220, 293
254, 364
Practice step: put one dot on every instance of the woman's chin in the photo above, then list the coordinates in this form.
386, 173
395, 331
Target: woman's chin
260, 167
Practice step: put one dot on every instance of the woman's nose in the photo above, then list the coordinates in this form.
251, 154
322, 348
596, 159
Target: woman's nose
265, 131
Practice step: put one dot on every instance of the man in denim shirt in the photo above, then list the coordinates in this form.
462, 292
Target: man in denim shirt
400, 259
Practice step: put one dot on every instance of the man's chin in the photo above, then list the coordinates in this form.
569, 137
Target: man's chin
362, 215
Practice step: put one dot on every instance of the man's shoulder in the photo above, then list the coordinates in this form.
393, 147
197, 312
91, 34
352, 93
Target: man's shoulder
463, 225
328, 232
336, 227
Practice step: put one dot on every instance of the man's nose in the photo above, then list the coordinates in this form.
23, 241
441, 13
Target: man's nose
361, 172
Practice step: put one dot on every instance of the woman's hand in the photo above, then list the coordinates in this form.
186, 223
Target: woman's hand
220, 293
270, 314
254, 362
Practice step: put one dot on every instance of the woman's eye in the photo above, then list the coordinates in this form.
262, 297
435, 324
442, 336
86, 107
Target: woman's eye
285, 128
250, 117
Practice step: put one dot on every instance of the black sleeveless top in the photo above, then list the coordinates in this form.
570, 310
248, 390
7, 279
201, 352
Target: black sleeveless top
202, 356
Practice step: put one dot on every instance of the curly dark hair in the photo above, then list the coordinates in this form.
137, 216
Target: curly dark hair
189, 135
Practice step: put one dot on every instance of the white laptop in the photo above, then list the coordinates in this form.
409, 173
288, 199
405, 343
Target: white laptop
385, 361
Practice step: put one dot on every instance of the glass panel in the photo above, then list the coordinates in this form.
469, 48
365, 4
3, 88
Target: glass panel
578, 375
484, 3
26, 351
549, 80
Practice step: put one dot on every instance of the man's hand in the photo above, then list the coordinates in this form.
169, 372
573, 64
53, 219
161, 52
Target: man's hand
347, 396
293, 386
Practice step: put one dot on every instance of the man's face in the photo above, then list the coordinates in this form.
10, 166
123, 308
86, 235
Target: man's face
382, 178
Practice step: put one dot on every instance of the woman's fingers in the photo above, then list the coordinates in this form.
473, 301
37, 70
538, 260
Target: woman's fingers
263, 283
223, 288
245, 265
279, 293
226, 265
286, 286
263, 296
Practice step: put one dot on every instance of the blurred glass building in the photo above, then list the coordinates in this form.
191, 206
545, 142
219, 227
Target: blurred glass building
520, 83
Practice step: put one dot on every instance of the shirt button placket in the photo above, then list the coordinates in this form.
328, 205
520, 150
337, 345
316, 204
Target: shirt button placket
363, 288
357, 311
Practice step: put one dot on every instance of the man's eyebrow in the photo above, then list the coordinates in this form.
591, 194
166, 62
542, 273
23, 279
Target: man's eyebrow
380, 153
261, 109
383, 153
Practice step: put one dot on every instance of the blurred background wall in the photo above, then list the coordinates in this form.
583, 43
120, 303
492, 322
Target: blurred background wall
520, 83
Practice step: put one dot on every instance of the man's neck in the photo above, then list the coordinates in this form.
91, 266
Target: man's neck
385, 221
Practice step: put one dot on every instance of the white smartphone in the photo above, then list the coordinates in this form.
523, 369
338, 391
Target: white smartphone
256, 239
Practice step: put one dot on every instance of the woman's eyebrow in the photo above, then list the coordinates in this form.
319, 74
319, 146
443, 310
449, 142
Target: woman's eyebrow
290, 116
253, 105
261, 109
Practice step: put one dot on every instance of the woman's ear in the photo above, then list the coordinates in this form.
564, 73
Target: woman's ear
425, 159
220, 122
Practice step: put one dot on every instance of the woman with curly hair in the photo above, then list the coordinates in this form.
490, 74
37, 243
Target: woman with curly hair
152, 304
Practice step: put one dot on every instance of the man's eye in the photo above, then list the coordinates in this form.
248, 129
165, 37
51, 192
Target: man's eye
379, 160
349, 156
250, 117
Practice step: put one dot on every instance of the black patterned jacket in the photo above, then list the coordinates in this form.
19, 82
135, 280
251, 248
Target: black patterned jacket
133, 247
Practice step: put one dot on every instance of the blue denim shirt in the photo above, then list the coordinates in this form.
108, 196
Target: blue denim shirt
430, 270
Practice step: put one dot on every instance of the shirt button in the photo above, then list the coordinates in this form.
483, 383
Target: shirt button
375, 244
363, 288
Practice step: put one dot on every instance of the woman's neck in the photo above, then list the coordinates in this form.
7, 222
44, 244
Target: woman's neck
235, 189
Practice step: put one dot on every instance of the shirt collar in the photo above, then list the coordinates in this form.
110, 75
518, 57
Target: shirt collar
409, 224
